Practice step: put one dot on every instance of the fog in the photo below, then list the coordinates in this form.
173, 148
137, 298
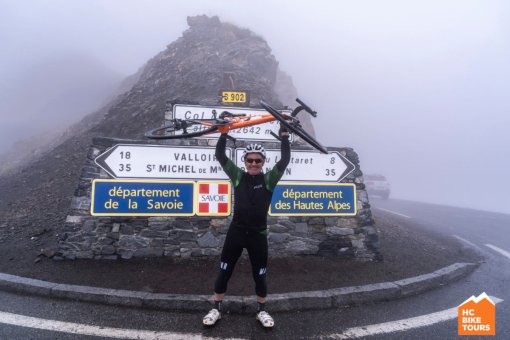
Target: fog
418, 88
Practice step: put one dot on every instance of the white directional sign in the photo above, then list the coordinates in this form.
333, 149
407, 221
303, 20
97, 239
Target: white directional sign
159, 161
308, 166
256, 132
174, 162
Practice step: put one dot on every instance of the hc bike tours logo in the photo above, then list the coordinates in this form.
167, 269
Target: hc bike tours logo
477, 316
213, 198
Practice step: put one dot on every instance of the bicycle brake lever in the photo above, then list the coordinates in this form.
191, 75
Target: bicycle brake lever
306, 107
275, 136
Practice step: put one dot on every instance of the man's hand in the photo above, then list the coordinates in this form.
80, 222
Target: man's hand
283, 132
223, 129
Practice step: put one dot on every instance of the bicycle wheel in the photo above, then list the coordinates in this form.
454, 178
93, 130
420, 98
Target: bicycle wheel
294, 127
182, 129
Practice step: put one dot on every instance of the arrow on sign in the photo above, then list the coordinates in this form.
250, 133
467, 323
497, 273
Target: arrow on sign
308, 165
160, 161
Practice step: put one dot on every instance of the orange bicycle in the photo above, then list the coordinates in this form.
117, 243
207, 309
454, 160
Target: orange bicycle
226, 121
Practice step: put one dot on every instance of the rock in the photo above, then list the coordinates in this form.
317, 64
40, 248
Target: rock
48, 252
208, 240
133, 242
330, 220
126, 230
182, 235
154, 233
316, 220
277, 237
332, 246
300, 247
339, 231
148, 252
218, 222
38, 232
301, 228
115, 228
105, 241
125, 254
278, 228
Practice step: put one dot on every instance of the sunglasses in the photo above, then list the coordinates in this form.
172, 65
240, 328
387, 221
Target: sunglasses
251, 160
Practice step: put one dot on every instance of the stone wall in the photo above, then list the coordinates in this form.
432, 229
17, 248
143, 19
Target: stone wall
94, 237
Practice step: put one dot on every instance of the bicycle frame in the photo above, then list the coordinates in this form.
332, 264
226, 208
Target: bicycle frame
242, 121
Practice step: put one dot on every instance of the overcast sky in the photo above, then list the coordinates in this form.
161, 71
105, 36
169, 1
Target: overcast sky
418, 88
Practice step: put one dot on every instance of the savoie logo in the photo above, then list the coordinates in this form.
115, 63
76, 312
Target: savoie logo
477, 316
213, 198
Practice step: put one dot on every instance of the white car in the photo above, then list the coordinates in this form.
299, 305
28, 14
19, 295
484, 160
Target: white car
377, 185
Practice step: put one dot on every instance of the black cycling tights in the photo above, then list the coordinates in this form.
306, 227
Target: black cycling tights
256, 245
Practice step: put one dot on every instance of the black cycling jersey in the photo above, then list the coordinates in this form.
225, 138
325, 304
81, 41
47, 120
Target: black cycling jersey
252, 193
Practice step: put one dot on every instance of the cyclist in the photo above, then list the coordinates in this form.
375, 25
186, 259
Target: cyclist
252, 197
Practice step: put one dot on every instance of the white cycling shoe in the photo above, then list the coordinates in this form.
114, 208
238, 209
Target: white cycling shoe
265, 319
211, 317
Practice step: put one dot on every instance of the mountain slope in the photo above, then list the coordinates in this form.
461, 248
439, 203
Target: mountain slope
209, 56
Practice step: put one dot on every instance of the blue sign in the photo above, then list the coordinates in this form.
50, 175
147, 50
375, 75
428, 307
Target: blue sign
308, 199
141, 198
